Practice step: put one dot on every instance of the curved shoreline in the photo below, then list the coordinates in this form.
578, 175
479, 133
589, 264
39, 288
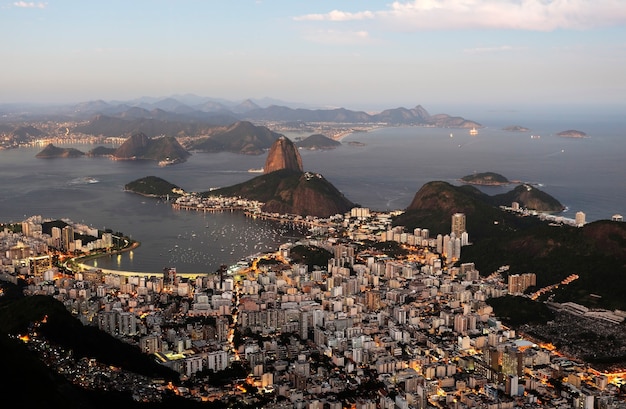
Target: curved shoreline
78, 262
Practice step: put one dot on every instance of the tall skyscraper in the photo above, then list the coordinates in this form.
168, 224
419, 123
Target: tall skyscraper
458, 224
67, 238
580, 219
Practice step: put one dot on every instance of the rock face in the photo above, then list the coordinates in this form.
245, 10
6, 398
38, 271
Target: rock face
283, 155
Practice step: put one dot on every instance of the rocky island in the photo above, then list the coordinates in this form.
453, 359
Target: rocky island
485, 179
571, 133
51, 151
356, 143
515, 128
318, 142
153, 186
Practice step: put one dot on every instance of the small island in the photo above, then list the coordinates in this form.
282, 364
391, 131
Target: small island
571, 133
516, 128
152, 186
356, 143
51, 151
486, 179
318, 142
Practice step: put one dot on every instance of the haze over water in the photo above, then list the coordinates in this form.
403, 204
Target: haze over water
584, 174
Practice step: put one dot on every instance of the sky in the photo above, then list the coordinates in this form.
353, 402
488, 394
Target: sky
357, 54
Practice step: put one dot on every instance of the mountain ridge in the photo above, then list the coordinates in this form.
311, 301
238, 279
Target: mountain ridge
206, 110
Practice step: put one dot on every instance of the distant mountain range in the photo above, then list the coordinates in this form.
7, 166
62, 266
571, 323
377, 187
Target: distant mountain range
194, 111
200, 124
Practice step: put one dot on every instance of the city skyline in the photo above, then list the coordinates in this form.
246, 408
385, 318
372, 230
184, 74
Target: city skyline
365, 55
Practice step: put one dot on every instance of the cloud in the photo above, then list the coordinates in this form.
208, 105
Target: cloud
337, 15
30, 5
336, 37
531, 15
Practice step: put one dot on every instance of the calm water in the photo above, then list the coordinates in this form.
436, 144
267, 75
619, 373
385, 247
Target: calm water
584, 174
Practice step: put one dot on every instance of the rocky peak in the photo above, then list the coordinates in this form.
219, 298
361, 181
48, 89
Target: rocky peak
283, 155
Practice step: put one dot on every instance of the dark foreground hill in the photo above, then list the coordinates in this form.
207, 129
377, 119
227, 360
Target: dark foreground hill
596, 252
293, 192
27, 380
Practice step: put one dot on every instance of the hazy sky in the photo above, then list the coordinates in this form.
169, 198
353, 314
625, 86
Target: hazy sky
353, 53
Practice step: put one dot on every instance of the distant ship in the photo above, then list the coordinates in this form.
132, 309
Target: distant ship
167, 162
473, 131
260, 170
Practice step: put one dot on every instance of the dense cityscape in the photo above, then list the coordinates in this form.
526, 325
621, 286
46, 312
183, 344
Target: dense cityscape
389, 319
465, 253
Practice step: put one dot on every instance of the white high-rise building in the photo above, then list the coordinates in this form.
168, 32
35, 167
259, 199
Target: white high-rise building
580, 219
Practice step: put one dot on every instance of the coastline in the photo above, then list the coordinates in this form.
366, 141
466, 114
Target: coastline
341, 134
78, 261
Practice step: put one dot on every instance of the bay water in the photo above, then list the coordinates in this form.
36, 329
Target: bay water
382, 172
